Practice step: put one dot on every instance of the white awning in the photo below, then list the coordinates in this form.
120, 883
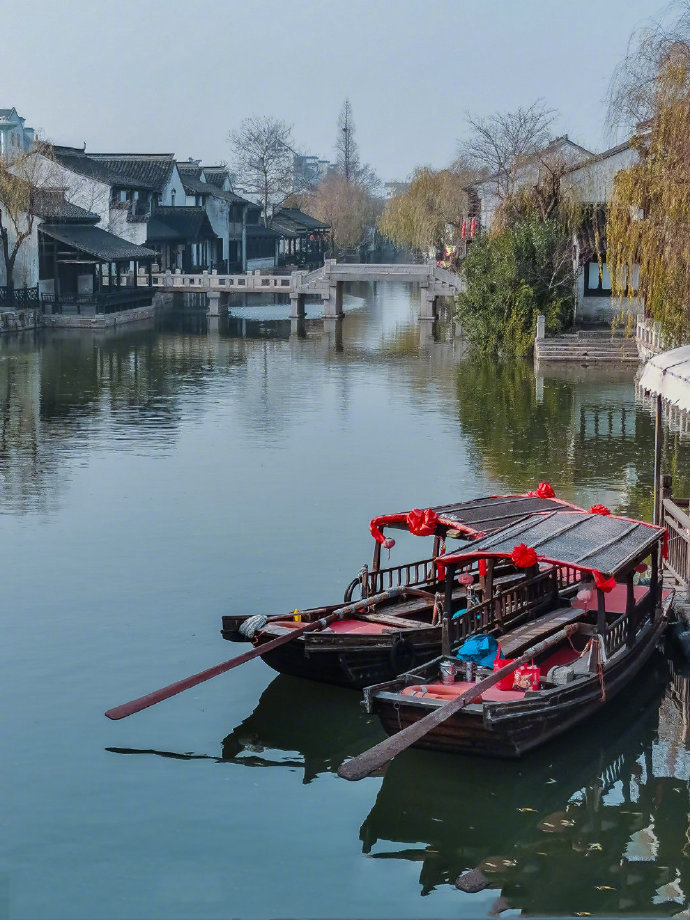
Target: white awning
668, 375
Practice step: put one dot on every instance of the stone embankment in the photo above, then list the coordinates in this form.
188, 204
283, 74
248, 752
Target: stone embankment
587, 347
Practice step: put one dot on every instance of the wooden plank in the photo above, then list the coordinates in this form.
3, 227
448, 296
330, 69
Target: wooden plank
543, 626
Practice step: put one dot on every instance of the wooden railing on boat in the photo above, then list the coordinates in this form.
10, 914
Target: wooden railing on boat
400, 576
508, 607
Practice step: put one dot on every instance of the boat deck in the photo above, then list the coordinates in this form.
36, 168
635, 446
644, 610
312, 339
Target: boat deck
535, 630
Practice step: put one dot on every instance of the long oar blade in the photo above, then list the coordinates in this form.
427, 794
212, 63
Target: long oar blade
143, 702
386, 750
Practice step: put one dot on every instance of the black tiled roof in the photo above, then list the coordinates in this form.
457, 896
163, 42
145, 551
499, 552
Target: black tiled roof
51, 206
81, 163
97, 242
187, 169
215, 175
179, 224
300, 219
258, 230
150, 170
194, 186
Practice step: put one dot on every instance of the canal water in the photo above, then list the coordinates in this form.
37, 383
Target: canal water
153, 479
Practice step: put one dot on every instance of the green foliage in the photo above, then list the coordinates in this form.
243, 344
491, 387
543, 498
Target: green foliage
648, 227
512, 276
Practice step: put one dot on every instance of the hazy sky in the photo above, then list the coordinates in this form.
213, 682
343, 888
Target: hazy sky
166, 76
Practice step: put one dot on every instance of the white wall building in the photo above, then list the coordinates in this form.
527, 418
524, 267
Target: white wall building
592, 183
15, 137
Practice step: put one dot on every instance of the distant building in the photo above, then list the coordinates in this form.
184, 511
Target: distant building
487, 194
15, 137
391, 189
303, 239
592, 184
209, 187
308, 171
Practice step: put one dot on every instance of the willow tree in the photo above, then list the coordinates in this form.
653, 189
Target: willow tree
24, 180
429, 214
648, 225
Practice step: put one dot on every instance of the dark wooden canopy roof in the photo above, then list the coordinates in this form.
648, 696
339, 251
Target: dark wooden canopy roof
480, 516
104, 246
185, 224
586, 541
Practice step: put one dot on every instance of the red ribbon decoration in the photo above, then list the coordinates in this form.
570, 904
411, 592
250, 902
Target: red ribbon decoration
482, 567
422, 523
599, 509
543, 490
524, 557
664, 546
604, 584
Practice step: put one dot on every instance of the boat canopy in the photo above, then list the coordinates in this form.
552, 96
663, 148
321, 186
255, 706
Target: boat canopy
591, 542
470, 519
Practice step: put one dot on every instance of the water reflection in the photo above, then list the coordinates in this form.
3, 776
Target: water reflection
293, 726
597, 822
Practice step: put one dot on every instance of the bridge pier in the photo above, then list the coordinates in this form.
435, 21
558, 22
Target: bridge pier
297, 308
427, 304
333, 304
213, 298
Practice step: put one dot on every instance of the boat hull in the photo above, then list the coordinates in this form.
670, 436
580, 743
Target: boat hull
511, 729
355, 664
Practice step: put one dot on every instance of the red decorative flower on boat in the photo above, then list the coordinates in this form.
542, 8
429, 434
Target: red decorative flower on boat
543, 490
603, 583
523, 556
599, 509
422, 523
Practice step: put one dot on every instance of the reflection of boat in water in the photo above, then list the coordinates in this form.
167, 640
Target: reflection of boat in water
293, 725
593, 823
321, 727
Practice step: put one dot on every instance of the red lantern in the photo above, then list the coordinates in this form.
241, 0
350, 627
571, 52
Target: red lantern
473, 227
465, 579
388, 543
463, 232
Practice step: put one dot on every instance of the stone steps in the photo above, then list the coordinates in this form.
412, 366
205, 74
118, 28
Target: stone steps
587, 347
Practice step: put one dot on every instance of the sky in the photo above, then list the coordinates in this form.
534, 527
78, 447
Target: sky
176, 77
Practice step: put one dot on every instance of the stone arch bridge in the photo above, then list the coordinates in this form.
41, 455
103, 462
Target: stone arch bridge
325, 283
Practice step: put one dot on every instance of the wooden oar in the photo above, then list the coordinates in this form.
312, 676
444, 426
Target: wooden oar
386, 750
143, 702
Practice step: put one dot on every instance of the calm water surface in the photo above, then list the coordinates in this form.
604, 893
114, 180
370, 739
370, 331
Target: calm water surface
154, 479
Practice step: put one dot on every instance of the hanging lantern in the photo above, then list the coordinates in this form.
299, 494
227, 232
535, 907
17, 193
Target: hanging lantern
388, 543
473, 227
463, 232
465, 579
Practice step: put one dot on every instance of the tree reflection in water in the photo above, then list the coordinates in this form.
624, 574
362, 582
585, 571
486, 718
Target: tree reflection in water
577, 427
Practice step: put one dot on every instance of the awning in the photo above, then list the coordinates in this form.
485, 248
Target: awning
104, 246
589, 542
477, 517
668, 375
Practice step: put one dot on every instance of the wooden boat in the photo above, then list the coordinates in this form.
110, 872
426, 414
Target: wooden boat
375, 644
617, 625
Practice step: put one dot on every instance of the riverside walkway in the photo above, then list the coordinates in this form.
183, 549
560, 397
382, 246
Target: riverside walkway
325, 283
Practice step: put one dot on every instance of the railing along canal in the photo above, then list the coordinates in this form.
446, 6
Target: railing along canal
677, 524
119, 299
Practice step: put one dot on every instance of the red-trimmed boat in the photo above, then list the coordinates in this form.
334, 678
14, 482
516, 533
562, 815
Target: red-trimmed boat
615, 620
375, 641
